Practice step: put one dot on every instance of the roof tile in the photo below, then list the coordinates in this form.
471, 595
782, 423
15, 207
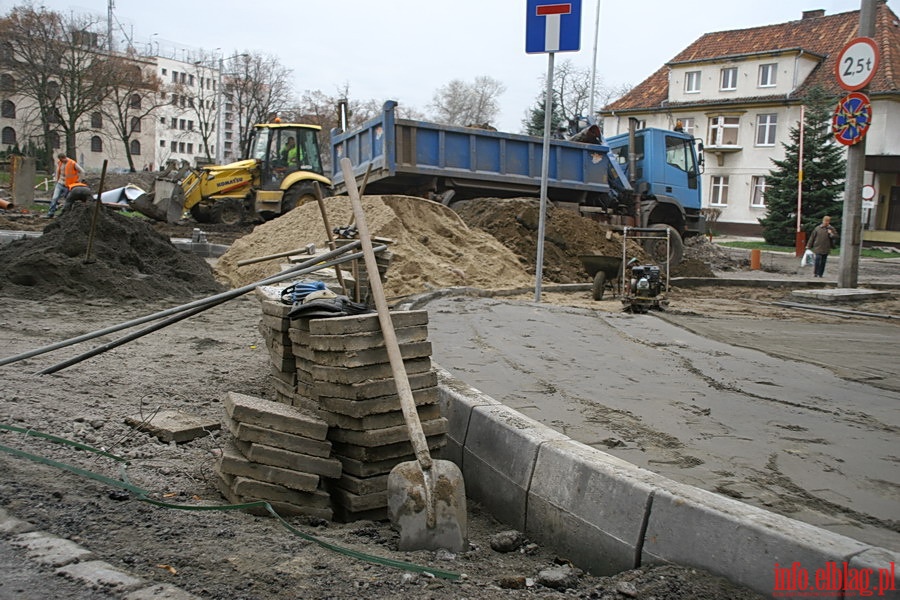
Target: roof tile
825, 36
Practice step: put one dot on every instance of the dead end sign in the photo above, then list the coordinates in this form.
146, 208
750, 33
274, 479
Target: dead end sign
553, 26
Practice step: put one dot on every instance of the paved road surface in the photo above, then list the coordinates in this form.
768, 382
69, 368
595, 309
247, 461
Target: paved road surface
779, 433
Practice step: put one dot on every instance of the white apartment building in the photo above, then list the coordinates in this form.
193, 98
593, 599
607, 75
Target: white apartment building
741, 92
170, 127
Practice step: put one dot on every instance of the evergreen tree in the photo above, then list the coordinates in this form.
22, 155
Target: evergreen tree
534, 122
823, 176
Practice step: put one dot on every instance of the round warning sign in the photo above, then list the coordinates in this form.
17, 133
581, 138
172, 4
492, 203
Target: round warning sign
857, 63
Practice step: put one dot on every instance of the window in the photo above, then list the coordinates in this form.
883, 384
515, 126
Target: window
190, 125
135, 124
162, 143
181, 124
718, 192
174, 76
175, 99
758, 192
190, 148
8, 110
765, 129
8, 136
135, 101
135, 148
767, 74
729, 79
96, 144
96, 120
174, 146
191, 80
723, 131
174, 123
162, 120
687, 125
7, 83
181, 147
692, 82
679, 154
164, 71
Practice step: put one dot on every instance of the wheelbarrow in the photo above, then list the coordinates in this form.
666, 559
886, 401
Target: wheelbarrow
603, 269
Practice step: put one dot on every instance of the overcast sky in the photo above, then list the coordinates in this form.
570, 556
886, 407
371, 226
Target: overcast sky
405, 50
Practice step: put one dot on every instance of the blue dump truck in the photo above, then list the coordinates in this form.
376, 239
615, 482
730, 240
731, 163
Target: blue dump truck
657, 185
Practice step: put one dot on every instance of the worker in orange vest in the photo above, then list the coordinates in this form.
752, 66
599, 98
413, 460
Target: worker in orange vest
79, 191
68, 172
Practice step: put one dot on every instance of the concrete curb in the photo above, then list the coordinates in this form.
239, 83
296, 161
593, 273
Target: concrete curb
609, 515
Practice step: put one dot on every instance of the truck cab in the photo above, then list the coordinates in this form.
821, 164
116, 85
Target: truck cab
665, 174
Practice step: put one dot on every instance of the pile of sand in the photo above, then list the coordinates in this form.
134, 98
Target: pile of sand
128, 260
567, 235
433, 247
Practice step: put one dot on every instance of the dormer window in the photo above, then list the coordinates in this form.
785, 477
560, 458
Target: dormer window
729, 79
767, 74
692, 82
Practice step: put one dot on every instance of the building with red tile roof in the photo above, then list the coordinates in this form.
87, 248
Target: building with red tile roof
740, 92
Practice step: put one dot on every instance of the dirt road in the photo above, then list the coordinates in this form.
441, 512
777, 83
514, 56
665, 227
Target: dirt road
736, 408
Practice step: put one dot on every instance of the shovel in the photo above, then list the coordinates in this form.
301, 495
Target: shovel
426, 498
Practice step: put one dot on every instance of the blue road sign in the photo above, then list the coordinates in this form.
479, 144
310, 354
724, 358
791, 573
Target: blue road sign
553, 26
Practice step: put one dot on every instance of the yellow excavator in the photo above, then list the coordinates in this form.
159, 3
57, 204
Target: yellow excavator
282, 171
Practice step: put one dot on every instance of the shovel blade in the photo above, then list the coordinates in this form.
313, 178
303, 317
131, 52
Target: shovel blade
428, 507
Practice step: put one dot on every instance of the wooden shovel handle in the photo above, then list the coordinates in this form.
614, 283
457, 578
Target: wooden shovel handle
407, 402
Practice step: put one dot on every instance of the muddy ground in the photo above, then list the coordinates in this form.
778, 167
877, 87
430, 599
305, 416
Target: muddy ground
189, 366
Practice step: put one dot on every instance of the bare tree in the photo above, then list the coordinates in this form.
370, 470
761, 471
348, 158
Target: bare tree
462, 103
258, 86
138, 95
571, 98
58, 63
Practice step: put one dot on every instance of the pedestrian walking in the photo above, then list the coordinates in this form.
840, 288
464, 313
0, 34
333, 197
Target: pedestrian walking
68, 173
822, 240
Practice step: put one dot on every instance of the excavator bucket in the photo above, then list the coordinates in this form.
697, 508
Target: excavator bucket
164, 203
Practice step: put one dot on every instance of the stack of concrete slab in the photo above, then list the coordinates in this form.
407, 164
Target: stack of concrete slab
355, 393
279, 454
273, 326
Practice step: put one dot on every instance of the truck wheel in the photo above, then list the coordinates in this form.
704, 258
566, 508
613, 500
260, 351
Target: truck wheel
228, 212
298, 195
599, 286
657, 248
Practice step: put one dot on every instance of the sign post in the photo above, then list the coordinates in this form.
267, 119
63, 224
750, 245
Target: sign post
856, 67
550, 26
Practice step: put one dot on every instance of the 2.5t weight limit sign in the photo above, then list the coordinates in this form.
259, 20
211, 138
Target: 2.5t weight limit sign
857, 63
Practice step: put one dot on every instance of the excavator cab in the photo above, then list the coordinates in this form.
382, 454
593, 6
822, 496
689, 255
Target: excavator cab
283, 149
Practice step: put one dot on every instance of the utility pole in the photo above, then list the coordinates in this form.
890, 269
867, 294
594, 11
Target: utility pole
851, 221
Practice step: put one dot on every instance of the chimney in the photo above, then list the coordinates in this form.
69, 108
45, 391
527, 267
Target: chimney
813, 14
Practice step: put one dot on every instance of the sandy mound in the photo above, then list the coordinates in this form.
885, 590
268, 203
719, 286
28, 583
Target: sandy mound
433, 247
567, 235
129, 260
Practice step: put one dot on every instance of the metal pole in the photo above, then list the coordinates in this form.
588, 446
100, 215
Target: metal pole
851, 223
284, 275
799, 238
594, 63
545, 173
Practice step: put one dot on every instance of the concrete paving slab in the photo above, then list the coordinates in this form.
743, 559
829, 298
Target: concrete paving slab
235, 463
50, 550
174, 426
841, 295
10, 524
160, 592
97, 573
273, 415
